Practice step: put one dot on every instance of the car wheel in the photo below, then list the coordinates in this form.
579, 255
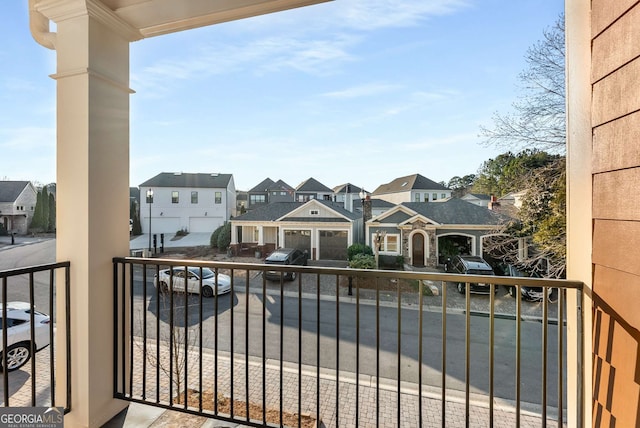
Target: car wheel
460, 288
17, 355
164, 288
292, 277
512, 291
207, 291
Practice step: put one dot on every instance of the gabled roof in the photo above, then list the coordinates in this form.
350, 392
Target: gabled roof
10, 190
480, 196
280, 210
409, 182
346, 188
280, 185
312, 185
263, 186
269, 212
456, 211
180, 179
375, 203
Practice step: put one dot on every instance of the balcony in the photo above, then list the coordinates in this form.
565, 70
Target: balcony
341, 347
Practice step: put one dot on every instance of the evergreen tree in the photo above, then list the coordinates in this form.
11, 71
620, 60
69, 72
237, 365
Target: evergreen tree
44, 200
52, 213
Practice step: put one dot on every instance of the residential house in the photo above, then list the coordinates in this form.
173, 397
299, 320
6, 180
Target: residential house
17, 205
313, 189
477, 199
421, 231
411, 188
322, 228
268, 191
196, 203
347, 194
378, 206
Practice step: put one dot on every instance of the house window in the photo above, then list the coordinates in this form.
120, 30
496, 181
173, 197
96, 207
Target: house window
283, 193
417, 197
257, 199
218, 198
327, 197
175, 197
314, 212
435, 196
390, 243
443, 196
194, 197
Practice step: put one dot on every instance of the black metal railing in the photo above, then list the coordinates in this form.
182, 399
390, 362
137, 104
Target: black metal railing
29, 319
403, 349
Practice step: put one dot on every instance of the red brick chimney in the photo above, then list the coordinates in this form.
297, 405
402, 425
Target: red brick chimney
493, 204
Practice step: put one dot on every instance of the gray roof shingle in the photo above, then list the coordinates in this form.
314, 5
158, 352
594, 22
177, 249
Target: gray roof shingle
313, 185
179, 179
10, 190
457, 211
409, 182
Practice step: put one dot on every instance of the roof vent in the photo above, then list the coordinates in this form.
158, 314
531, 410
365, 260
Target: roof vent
214, 174
177, 173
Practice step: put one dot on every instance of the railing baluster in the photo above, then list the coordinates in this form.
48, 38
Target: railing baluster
171, 333
52, 347
280, 375
545, 341
444, 354
123, 331
232, 339
399, 362
318, 347
299, 350
186, 339
518, 350
357, 351
560, 311
264, 349
131, 318
377, 353
215, 345
467, 353
337, 353
32, 334
5, 372
144, 328
420, 343
157, 268
200, 339
246, 343
492, 303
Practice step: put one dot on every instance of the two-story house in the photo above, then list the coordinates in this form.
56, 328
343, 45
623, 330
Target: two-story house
17, 205
313, 189
196, 203
411, 188
269, 191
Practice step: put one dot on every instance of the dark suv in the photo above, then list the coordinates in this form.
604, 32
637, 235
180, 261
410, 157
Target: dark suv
471, 265
284, 256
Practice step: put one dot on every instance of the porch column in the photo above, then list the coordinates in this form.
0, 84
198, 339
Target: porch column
260, 235
92, 193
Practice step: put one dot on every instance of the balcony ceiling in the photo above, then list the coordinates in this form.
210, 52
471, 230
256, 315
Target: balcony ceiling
151, 18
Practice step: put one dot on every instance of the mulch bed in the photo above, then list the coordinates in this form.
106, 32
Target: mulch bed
240, 409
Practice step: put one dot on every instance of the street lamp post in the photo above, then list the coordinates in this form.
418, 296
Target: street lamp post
363, 196
149, 200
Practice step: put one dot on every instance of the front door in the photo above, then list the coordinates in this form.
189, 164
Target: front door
417, 254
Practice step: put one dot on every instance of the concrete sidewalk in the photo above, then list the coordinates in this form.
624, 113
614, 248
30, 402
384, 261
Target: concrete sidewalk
171, 240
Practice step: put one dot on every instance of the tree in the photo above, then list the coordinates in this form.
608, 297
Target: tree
224, 239
538, 119
44, 200
136, 227
538, 124
461, 185
52, 213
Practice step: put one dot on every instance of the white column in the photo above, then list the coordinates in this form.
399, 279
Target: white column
260, 235
92, 194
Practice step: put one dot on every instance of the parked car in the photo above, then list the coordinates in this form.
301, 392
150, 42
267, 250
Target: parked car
284, 256
471, 265
192, 283
19, 333
534, 294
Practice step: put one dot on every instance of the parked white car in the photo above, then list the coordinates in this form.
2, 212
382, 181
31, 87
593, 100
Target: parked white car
192, 283
19, 333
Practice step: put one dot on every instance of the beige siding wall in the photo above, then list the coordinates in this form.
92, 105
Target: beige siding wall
616, 212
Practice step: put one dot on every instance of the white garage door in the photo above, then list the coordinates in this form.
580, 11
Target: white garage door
164, 224
204, 224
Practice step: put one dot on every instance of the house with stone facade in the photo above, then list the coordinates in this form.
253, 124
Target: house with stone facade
425, 232
17, 205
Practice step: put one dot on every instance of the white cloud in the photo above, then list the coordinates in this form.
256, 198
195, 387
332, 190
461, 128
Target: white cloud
362, 91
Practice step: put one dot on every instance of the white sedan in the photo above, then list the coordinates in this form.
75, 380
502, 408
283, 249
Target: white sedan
18, 318
192, 284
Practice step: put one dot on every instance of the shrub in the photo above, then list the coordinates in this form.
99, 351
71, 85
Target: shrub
224, 238
358, 249
214, 237
363, 261
182, 232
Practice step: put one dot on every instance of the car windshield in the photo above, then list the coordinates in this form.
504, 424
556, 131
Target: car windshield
206, 272
277, 257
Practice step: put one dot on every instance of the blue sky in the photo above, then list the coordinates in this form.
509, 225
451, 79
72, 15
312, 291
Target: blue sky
359, 91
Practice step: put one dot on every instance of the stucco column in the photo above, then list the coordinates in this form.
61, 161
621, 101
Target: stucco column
579, 206
260, 235
92, 194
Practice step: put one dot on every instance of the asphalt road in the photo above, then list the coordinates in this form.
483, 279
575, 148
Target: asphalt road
254, 322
